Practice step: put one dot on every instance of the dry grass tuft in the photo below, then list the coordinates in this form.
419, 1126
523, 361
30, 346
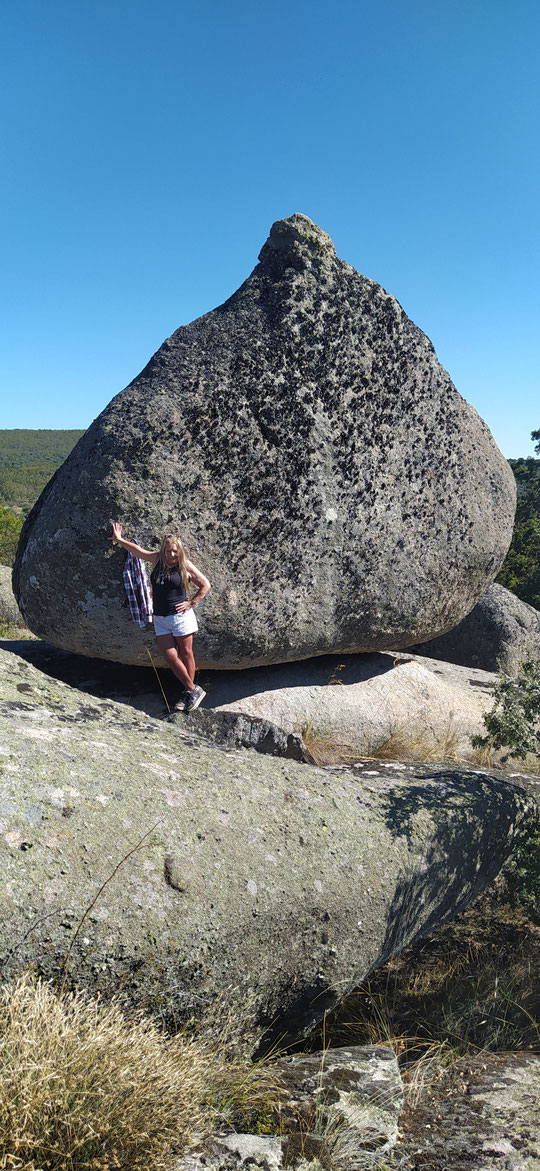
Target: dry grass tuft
399, 744
485, 756
323, 747
82, 1087
417, 744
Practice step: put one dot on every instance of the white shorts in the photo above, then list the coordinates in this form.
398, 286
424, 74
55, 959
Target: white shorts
176, 624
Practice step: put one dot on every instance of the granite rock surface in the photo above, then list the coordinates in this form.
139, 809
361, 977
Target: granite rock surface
499, 633
337, 1109
484, 1116
343, 705
256, 879
321, 467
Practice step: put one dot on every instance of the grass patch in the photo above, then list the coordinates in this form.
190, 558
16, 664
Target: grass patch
420, 744
10, 632
472, 986
325, 748
83, 1088
485, 756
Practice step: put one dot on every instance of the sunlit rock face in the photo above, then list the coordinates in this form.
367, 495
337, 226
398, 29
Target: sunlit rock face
263, 884
316, 459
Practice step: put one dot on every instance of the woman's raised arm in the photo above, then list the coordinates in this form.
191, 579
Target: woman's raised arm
131, 547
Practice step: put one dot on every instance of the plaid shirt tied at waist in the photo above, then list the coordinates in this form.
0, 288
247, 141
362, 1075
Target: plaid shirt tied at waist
138, 590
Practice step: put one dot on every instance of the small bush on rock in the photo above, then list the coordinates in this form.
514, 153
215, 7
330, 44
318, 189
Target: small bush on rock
522, 877
514, 723
514, 720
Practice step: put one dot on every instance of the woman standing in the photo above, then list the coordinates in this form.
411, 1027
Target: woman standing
174, 619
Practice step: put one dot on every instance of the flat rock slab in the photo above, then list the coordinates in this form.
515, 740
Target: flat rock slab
348, 1100
317, 460
257, 874
355, 704
344, 706
337, 1108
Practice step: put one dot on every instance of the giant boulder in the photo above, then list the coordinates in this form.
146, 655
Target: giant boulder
285, 883
320, 465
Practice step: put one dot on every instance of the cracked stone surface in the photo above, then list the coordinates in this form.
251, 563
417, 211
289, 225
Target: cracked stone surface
336, 1109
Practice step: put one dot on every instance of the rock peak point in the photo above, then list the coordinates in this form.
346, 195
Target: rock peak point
299, 240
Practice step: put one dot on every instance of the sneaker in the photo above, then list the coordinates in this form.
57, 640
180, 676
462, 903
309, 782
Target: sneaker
194, 698
180, 706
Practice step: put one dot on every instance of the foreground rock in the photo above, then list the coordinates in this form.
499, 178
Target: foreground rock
484, 1116
338, 1108
258, 875
321, 466
499, 633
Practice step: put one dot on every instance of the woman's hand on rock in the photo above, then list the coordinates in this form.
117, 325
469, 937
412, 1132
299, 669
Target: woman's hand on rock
116, 531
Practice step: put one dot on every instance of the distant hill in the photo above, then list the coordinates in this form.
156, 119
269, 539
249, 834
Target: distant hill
21, 446
28, 459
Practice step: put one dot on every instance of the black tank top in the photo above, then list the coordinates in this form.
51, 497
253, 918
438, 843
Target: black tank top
167, 590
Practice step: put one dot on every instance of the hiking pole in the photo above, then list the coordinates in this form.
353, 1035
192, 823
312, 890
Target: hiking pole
158, 679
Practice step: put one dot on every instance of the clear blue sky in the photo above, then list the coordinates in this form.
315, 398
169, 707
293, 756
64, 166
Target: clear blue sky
148, 147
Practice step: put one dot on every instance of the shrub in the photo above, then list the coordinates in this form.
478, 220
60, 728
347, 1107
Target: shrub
82, 1087
522, 877
10, 529
514, 720
514, 723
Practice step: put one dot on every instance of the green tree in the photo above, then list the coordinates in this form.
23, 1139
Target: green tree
10, 528
28, 459
521, 570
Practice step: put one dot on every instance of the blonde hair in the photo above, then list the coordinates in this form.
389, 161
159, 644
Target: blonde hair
166, 569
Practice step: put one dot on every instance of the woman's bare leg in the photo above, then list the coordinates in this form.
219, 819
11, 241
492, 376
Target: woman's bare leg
184, 646
169, 651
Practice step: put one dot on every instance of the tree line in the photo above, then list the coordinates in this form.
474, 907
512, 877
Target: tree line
521, 570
